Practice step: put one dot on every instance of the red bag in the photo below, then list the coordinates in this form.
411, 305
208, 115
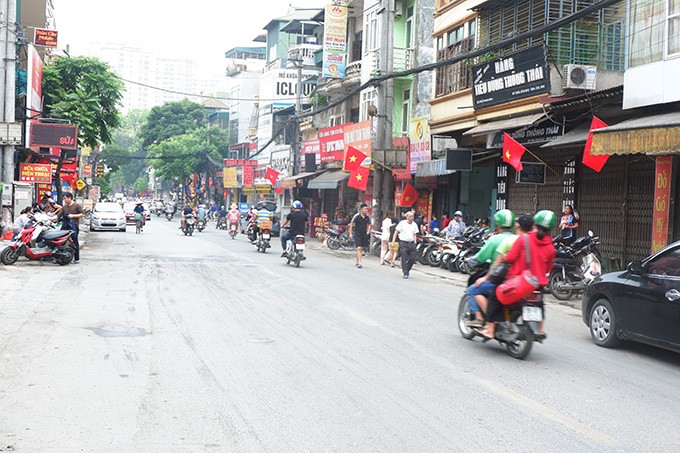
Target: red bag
518, 287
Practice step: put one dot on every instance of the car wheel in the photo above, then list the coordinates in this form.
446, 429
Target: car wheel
603, 324
91, 227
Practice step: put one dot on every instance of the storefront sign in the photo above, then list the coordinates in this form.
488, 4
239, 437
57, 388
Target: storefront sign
311, 146
420, 147
239, 163
45, 37
520, 75
87, 171
501, 186
662, 199
335, 42
249, 190
54, 135
230, 179
532, 173
424, 204
332, 143
263, 188
34, 74
541, 133
279, 87
359, 136
248, 175
35, 173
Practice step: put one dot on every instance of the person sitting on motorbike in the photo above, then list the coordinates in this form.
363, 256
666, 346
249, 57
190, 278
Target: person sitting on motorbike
262, 214
22, 220
220, 216
456, 227
139, 209
298, 225
201, 212
233, 216
186, 210
542, 254
480, 291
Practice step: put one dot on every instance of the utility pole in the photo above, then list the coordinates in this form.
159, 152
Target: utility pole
7, 90
385, 108
295, 148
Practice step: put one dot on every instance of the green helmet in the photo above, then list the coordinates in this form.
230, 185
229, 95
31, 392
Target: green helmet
546, 219
504, 218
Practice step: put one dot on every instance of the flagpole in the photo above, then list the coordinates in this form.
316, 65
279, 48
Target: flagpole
538, 159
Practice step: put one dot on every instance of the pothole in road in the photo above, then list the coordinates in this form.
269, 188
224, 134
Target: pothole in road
118, 331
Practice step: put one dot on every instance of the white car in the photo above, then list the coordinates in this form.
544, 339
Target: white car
107, 216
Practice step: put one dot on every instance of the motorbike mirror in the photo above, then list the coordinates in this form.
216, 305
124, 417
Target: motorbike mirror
635, 267
590, 233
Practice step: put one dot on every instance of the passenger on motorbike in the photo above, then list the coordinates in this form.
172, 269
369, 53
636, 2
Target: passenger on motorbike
186, 210
480, 291
201, 212
456, 227
542, 255
298, 225
233, 216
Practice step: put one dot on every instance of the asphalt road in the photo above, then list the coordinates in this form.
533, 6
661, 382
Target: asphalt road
161, 342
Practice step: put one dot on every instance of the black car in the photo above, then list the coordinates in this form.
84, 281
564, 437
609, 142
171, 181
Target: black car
641, 303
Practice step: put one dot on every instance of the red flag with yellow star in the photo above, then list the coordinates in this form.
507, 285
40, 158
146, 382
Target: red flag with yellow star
512, 152
358, 179
589, 160
409, 196
353, 158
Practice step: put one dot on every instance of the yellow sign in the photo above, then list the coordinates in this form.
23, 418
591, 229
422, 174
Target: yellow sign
85, 151
249, 190
230, 178
263, 188
87, 204
80, 184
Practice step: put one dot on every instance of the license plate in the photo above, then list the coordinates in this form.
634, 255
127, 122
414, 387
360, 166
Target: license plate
532, 313
300, 246
265, 236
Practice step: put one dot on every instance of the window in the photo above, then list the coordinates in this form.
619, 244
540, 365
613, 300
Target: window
455, 77
405, 109
368, 98
371, 42
673, 33
408, 28
665, 264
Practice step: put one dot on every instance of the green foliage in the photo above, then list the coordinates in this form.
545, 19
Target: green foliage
182, 155
170, 120
104, 184
85, 91
141, 184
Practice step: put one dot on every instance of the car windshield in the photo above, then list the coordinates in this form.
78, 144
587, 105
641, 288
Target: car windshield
129, 206
107, 207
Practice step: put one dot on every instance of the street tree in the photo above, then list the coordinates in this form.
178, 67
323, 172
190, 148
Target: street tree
170, 120
87, 92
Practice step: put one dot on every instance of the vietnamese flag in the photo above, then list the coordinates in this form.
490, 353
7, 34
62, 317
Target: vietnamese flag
409, 196
279, 190
594, 162
271, 175
512, 152
353, 158
358, 179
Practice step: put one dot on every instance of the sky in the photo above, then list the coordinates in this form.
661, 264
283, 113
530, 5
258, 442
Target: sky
201, 30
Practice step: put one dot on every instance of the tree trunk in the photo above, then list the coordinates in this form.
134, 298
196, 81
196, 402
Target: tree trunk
57, 176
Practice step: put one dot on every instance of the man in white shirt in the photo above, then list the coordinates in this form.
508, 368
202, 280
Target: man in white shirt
407, 232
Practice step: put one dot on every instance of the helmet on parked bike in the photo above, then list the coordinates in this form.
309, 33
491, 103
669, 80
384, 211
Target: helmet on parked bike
504, 218
297, 204
546, 219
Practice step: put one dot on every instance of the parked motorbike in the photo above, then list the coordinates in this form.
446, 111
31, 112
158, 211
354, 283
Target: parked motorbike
575, 267
473, 241
424, 245
264, 236
376, 242
200, 224
189, 224
295, 250
49, 244
233, 230
336, 240
517, 331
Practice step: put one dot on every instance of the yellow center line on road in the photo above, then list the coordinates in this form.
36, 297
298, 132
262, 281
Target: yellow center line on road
551, 414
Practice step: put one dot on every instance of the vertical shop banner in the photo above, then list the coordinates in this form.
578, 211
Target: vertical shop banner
335, 42
248, 175
358, 136
34, 74
312, 147
424, 204
87, 171
230, 179
662, 198
333, 143
420, 151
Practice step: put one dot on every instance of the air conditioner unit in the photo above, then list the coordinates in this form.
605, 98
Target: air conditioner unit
579, 76
398, 11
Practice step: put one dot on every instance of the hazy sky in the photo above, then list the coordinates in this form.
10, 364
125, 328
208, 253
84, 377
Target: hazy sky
199, 29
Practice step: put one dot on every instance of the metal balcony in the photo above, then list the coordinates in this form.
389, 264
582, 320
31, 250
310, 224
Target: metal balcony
304, 52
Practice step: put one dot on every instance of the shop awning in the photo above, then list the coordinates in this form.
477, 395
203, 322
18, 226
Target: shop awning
432, 168
575, 136
289, 182
328, 180
653, 134
508, 124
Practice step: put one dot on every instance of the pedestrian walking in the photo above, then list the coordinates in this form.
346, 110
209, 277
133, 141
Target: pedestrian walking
361, 227
385, 238
393, 246
72, 213
407, 233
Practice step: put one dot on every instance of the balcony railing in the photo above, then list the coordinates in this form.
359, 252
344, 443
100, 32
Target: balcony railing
353, 71
455, 77
403, 59
304, 52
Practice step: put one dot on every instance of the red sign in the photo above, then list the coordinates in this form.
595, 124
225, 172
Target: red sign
359, 136
45, 37
35, 173
332, 143
248, 176
44, 187
54, 136
239, 163
87, 171
662, 202
311, 147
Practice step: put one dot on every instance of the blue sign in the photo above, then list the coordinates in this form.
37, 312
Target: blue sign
243, 207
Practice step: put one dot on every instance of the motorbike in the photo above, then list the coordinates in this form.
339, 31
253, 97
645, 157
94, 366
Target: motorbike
169, 215
473, 241
336, 240
50, 244
575, 267
189, 224
221, 223
233, 229
264, 236
250, 231
158, 211
517, 332
376, 242
295, 250
200, 224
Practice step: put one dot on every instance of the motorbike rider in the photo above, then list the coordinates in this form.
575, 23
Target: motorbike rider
480, 291
186, 210
201, 212
139, 209
542, 254
233, 216
261, 215
47, 204
298, 225
220, 214
456, 226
